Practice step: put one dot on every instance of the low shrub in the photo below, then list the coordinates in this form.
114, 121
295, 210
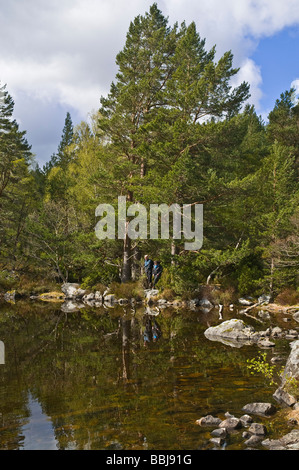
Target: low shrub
127, 290
167, 294
288, 296
224, 296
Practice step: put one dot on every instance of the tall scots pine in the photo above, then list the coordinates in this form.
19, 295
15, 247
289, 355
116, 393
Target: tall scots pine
166, 84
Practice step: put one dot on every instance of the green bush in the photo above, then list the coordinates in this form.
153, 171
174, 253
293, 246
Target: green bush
249, 280
262, 366
127, 290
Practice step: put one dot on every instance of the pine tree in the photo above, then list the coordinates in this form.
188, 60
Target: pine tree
278, 203
17, 188
63, 156
14, 148
6, 110
283, 123
57, 182
144, 68
166, 84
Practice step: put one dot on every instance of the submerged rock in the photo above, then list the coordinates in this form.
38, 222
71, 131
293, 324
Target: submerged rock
217, 441
253, 440
208, 420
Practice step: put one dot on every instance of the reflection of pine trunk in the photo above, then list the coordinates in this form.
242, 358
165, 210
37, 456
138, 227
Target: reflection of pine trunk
126, 328
127, 258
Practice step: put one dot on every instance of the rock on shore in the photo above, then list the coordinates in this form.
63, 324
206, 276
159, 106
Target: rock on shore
233, 331
72, 291
290, 378
253, 433
288, 442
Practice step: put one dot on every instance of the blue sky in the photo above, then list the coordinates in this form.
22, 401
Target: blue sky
278, 57
58, 56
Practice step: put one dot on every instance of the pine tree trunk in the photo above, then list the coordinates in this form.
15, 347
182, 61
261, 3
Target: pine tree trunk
127, 258
142, 168
271, 275
174, 251
136, 256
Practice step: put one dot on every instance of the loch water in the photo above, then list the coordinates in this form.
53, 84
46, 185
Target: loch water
122, 378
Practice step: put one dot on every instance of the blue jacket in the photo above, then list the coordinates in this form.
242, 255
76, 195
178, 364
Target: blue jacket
157, 269
148, 265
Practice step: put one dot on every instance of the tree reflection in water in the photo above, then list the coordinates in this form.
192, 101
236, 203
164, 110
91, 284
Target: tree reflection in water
90, 373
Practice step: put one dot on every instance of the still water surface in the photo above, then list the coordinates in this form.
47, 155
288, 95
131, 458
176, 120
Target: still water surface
120, 378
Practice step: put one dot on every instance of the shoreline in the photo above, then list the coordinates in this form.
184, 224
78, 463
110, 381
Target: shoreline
147, 297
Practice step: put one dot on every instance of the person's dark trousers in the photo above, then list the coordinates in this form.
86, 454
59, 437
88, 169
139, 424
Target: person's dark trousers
156, 279
149, 275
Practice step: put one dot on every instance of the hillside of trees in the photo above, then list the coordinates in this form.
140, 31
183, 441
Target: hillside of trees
171, 130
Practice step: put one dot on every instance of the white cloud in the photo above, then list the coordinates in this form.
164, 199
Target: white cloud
251, 73
238, 25
295, 85
66, 49
63, 51
237, 18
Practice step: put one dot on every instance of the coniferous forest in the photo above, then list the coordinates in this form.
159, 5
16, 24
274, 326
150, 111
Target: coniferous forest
171, 130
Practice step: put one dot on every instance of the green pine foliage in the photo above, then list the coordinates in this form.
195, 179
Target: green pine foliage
171, 130
17, 184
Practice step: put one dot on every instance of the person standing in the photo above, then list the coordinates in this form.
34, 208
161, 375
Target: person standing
157, 272
148, 266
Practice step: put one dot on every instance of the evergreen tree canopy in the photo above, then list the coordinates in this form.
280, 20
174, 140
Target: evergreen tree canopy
14, 149
62, 157
166, 84
170, 131
16, 181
